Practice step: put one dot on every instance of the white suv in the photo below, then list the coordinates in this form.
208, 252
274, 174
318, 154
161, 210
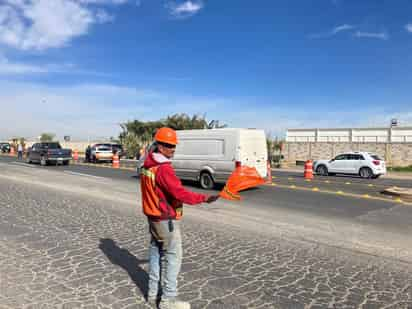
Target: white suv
364, 164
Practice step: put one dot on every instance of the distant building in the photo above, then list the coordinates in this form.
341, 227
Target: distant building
351, 135
394, 143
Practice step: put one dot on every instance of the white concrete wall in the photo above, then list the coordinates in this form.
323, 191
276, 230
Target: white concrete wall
358, 135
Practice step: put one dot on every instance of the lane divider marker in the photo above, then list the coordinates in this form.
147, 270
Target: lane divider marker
101, 165
23, 164
84, 175
358, 196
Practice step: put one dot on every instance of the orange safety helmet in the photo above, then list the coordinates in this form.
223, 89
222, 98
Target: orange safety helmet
166, 135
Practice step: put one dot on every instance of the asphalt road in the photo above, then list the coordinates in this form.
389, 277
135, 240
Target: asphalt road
73, 237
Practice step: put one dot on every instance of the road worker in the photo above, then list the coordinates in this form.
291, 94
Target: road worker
163, 197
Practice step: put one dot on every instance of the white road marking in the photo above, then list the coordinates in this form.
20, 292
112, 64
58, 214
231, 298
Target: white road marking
85, 175
23, 164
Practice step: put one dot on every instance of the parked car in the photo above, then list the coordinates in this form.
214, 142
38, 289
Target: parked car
101, 152
118, 149
210, 156
49, 152
364, 164
5, 147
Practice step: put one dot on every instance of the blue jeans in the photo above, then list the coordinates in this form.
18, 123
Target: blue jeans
165, 258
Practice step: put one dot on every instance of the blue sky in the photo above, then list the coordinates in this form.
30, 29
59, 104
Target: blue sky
81, 67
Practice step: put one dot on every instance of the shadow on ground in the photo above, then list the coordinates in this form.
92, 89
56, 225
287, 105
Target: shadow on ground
126, 260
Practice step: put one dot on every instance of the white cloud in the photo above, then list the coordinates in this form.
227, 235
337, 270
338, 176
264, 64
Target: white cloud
103, 17
8, 67
408, 27
185, 9
112, 2
344, 27
333, 32
83, 110
43, 24
95, 110
372, 35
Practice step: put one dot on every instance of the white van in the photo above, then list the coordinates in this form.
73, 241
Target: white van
210, 156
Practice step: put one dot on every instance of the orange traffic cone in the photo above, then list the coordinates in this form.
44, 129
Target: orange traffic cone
269, 174
12, 152
76, 155
115, 161
308, 173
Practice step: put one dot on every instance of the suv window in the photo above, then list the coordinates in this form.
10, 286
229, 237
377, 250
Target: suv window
376, 157
341, 157
356, 157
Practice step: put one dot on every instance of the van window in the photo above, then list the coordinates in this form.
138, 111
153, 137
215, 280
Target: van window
204, 147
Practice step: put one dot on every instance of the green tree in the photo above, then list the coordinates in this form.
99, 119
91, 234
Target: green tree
47, 137
131, 145
137, 134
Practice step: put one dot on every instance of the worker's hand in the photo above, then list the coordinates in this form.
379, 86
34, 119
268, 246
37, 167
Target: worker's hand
212, 198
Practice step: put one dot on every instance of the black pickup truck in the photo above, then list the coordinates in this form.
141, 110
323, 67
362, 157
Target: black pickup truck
50, 152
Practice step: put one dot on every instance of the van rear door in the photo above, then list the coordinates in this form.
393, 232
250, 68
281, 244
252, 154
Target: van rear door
253, 150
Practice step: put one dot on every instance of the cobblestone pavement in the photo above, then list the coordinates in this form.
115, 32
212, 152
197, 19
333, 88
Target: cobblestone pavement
61, 250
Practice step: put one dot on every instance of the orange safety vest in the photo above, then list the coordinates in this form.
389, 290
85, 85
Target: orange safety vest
153, 205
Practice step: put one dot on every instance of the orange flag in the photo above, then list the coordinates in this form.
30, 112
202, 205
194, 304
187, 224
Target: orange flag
242, 178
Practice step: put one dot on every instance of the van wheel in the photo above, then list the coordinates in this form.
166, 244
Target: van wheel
206, 181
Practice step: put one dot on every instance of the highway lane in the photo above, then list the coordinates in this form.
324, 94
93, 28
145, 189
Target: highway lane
354, 187
334, 197
349, 187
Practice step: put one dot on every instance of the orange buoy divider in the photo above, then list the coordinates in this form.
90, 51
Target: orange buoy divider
115, 161
269, 173
76, 155
308, 173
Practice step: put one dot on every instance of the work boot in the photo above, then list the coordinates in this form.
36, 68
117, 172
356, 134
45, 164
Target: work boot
173, 304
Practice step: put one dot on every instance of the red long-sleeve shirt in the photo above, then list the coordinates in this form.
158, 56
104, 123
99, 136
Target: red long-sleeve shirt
169, 187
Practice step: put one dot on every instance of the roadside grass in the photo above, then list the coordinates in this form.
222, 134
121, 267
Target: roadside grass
400, 168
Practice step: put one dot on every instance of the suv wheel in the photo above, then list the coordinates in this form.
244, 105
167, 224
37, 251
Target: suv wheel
322, 170
365, 172
206, 181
